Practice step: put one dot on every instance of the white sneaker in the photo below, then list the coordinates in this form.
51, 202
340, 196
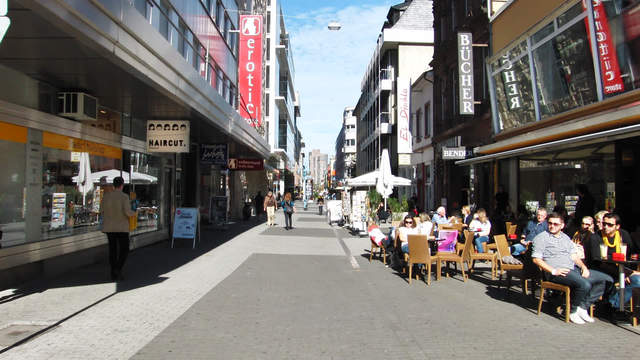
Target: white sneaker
584, 315
575, 318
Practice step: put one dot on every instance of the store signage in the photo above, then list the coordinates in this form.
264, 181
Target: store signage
611, 79
185, 223
250, 69
404, 159
465, 73
168, 136
404, 113
214, 154
454, 153
514, 101
62, 142
246, 164
4, 19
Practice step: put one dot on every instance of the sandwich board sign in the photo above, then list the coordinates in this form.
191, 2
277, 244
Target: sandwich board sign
186, 223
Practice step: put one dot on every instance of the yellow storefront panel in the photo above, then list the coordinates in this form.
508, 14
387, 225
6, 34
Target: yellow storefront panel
62, 142
13, 133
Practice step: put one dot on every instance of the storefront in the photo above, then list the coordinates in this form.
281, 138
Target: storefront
565, 116
54, 176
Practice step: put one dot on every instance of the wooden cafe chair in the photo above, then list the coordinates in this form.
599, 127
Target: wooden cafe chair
470, 256
419, 254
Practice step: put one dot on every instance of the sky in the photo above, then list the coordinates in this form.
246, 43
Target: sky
330, 65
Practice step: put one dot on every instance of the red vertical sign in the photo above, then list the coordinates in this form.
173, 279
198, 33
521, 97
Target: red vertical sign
250, 69
611, 79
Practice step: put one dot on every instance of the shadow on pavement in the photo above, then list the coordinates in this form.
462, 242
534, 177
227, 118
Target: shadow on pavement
144, 266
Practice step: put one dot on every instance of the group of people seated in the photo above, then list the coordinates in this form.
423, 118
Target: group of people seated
574, 261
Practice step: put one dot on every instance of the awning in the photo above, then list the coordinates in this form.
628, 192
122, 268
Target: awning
597, 137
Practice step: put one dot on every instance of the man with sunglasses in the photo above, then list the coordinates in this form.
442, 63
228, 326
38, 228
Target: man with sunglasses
557, 256
613, 237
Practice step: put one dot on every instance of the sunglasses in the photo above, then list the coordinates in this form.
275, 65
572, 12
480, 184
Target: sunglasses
554, 223
609, 224
408, 222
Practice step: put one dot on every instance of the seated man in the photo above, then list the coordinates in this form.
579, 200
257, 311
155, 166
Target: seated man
531, 231
557, 256
440, 217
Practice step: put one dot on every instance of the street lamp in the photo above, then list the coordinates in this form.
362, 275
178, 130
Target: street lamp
334, 26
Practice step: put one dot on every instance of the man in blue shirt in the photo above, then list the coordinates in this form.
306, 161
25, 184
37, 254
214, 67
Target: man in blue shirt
440, 217
533, 228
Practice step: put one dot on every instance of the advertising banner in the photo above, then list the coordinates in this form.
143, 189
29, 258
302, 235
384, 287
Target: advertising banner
404, 114
250, 69
611, 79
465, 73
168, 136
214, 154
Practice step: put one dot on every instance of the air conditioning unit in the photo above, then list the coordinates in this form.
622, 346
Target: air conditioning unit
77, 105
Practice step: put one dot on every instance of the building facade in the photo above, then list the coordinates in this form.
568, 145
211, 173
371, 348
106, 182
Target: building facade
318, 163
82, 89
566, 110
346, 148
422, 131
454, 128
281, 101
403, 52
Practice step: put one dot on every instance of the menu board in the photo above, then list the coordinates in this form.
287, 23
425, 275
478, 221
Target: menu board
185, 223
570, 202
58, 210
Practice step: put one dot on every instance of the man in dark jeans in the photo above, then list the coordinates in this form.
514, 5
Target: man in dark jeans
115, 210
557, 256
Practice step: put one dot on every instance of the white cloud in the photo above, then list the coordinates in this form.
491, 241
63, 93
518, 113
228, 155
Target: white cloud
330, 65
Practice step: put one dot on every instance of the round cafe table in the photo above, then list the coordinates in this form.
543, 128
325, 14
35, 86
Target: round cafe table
631, 264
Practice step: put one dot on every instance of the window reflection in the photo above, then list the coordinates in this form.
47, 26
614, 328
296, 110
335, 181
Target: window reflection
513, 89
12, 193
564, 72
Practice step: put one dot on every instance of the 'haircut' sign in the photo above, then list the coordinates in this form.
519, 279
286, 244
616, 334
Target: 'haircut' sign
465, 72
169, 136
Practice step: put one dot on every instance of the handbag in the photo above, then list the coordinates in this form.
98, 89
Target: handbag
288, 209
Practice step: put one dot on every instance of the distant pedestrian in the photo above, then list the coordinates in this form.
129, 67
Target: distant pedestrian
289, 209
320, 205
115, 211
269, 206
258, 202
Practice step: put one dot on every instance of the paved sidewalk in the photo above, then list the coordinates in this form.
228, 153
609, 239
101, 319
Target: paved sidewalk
258, 292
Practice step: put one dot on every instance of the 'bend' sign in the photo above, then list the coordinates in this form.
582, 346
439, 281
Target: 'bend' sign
250, 69
4, 19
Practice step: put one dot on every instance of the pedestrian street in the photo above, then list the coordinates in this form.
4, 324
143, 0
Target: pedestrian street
308, 293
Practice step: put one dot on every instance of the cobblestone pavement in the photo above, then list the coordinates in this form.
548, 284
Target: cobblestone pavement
267, 293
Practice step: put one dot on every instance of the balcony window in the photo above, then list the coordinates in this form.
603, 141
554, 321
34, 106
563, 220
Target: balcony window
514, 92
163, 19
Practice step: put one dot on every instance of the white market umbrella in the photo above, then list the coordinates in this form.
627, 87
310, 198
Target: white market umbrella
384, 184
84, 178
137, 177
368, 179
107, 174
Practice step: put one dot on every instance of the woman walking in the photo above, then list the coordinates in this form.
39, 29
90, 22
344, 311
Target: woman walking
270, 207
289, 209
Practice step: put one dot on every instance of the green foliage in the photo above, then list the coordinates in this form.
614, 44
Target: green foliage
398, 206
374, 199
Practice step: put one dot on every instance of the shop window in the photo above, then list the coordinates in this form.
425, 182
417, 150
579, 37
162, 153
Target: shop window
564, 72
145, 188
619, 49
513, 91
12, 193
68, 208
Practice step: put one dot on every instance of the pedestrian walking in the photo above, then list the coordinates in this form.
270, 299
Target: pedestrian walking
289, 209
269, 206
320, 205
257, 202
115, 211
